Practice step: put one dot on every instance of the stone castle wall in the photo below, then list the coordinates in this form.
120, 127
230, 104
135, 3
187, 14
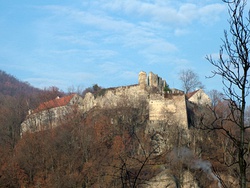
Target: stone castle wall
172, 109
128, 95
149, 88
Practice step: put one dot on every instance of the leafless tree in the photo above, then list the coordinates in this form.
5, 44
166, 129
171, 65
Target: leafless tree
190, 80
233, 66
215, 97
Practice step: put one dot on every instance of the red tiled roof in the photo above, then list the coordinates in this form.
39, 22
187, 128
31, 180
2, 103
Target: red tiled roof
189, 95
63, 101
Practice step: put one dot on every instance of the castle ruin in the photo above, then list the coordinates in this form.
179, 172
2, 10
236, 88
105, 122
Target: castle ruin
151, 81
163, 106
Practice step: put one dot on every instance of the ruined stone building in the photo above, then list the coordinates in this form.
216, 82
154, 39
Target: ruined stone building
163, 105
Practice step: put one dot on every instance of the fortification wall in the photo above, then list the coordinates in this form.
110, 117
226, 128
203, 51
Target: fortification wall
128, 95
171, 109
142, 80
113, 97
181, 111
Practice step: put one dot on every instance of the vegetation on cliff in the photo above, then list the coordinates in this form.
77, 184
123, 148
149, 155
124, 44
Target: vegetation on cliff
114, 147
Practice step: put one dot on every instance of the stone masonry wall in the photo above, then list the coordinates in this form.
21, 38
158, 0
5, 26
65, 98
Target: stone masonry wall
171, 109
128, 95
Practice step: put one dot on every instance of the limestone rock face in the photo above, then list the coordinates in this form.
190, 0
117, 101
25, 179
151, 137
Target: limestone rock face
88, 102
165, 179
162, 180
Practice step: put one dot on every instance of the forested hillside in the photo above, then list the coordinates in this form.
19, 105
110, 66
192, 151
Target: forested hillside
16, 98
90, 150
112, 147
11, 86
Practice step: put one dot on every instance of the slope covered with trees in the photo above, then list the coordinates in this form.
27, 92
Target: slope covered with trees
109, 148
16, 98
13, 87
113, 147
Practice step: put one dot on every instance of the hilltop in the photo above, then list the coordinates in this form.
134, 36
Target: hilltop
142, 135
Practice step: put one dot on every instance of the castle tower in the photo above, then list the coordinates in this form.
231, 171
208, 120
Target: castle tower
164, 83
142, 80
153, 80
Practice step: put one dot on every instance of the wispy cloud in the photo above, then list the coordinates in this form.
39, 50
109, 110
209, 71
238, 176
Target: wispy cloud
211, 13
106, 41
184, 13
63, 80
141, 37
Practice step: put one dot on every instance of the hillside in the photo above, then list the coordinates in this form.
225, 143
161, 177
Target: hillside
129, 136
16, 98
11, 86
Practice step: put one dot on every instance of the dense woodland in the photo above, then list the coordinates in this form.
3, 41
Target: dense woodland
88, 150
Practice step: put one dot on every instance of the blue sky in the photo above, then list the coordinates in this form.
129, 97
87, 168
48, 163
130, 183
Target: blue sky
108, 42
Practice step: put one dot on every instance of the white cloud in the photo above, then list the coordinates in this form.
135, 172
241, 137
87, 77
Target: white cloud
211, 13
184, 13
103, 38
140, 36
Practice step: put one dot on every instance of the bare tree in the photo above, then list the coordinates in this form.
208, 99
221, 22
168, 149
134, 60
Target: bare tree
233, 66
190, 80
215, 97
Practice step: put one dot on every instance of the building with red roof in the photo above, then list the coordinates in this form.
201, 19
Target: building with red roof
51, 113
57, 102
